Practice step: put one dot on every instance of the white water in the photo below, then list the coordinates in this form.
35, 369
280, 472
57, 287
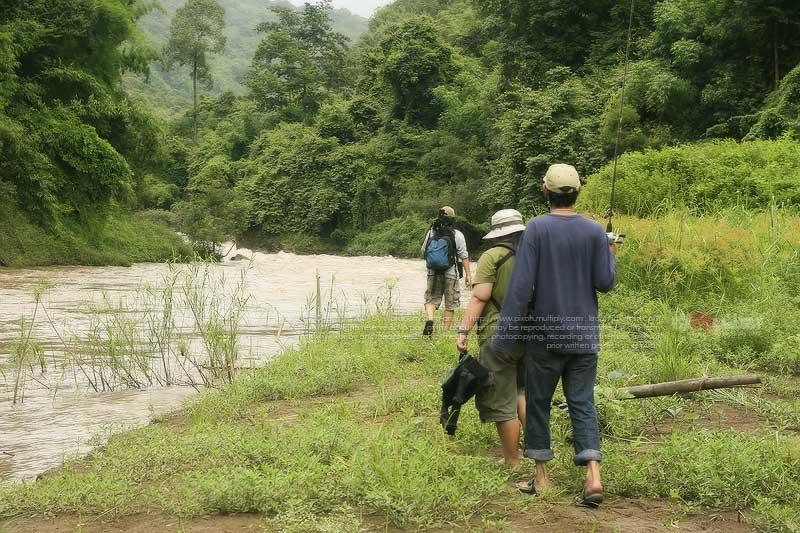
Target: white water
60, 414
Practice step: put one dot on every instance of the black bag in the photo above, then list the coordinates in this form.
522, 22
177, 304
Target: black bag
461, 384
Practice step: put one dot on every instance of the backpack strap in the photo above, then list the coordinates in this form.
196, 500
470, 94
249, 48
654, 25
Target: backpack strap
512, 252
451, 235
426, 241
507, 256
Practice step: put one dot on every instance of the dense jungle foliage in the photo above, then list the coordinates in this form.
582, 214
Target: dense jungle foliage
324, 142
354, 146
74, 149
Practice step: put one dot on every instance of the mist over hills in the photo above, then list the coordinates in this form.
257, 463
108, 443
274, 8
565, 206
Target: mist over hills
169, 92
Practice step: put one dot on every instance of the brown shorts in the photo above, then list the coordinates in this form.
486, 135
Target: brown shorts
440, 286
498, 402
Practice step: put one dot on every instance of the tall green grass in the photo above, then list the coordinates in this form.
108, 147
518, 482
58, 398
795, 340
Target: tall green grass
712, 261
122, 239
740, 267
346, 425
139, 345
703, 178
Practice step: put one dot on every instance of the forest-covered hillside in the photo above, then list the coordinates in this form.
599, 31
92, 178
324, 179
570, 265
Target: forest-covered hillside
74, 149
326, 143
466, 103
171, 89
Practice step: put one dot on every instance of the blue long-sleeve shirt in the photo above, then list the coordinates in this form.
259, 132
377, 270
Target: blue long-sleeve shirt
561, 263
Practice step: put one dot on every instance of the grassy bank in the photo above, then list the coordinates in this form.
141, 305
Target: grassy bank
704, 177
341, 433
124, 238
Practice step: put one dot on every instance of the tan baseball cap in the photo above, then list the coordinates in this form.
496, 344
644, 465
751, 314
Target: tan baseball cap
448, 211
561, 176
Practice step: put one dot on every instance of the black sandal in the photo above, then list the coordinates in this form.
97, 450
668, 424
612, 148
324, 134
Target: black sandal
529, 489
591, 501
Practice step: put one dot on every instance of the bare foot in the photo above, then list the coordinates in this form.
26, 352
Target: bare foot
593, 488
538, 485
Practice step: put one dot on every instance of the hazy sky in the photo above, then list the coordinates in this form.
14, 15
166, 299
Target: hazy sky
365, 8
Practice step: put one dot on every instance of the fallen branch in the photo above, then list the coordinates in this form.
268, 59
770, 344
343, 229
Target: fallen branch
690, 385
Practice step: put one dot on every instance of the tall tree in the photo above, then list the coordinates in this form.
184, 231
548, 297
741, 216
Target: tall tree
196, 30
299, 59
537, 35
729, 53
65, 127
416, 62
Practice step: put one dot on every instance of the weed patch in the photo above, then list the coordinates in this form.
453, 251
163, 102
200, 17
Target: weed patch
344, 426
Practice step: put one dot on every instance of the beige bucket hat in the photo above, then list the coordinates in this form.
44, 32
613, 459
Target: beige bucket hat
506, 222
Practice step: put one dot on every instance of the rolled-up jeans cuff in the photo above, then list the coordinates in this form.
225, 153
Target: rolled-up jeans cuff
539, 455
587, 455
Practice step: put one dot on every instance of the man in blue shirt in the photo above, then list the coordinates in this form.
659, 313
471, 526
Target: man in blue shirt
562, 261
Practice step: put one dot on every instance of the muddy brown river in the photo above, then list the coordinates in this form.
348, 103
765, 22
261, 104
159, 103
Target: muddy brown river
57, 414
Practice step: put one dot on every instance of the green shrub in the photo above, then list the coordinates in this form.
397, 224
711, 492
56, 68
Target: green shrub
121, 238
702, 177
400, 237
781, 112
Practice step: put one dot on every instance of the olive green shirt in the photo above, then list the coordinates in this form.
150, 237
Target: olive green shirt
487, 272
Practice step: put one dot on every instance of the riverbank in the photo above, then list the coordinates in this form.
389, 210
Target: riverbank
397, 237
123, 239
94, 329
341, 434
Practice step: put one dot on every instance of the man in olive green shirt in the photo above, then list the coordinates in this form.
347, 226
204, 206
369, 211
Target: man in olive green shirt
503, 402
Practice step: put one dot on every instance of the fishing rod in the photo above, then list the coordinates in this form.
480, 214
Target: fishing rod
616, 238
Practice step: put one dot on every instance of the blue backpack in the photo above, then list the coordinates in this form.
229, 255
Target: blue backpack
440, 254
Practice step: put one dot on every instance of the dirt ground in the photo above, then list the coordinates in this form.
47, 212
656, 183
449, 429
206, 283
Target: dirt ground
133, 524
623, 515
721, 417
620, 515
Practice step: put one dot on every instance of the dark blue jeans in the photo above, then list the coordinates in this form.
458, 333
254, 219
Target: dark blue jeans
577, 374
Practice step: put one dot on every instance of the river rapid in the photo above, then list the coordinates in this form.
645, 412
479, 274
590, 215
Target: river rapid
57, 415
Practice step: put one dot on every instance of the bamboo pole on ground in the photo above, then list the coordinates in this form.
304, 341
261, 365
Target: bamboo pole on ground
690, 385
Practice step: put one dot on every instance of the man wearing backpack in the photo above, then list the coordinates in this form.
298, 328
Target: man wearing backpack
503, 402
447, 259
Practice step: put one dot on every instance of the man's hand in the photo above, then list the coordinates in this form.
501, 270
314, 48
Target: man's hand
614, 248
505, 357
461, 343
